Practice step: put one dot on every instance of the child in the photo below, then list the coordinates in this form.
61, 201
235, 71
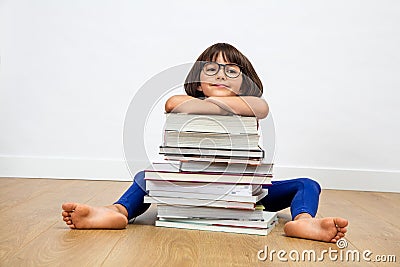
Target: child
222, 81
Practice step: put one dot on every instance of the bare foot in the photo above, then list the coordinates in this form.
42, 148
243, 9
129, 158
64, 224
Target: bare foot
80, 216
326, 229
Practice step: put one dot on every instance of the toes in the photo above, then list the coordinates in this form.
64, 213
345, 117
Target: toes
340, 222
66, 214
69, 206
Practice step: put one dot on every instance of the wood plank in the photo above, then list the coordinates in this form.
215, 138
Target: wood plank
288, 244
380, 205
38, 214
58, 243
366, 229
148, 245
33, 232
21, 190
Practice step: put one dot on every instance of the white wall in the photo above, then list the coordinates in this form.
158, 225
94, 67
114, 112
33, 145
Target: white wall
330, 68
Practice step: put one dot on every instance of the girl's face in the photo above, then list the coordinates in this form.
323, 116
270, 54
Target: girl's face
219, 84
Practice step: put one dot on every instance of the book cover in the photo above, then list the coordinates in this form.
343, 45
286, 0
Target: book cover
200, 202
211, 140
196, 166
212, 159
197, 212
269, 219
218, 227
233, 124
205, 188
227, 152
225, 197
209, 177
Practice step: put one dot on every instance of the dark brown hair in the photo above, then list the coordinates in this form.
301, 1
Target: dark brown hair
251, 85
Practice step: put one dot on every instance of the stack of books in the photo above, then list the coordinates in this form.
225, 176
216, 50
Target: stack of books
213, 176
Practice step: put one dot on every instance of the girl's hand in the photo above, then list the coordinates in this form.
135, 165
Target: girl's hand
242, 105
188, 104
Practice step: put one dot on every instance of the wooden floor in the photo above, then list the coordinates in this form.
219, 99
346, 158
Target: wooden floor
33, 233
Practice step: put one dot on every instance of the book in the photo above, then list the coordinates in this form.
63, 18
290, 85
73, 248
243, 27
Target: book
232, 124
200, 202
208, 177
204, 188
269, 218
257, 153
196, 166
226, 197
199, 212
211, 140
197, 225
210, 159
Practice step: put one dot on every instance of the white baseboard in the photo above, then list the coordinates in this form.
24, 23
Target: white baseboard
94, 169
64, 168
344, 179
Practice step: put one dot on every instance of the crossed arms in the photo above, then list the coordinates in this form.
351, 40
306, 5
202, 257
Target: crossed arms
239, 105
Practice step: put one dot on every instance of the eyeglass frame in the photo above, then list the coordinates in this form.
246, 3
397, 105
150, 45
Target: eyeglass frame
219, 68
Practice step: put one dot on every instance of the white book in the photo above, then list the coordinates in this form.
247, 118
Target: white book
211, 123
270, 218
212, 159
207, 177
196, 166
200, 202
204, 188
225, 197
227, 152
181, 212
216, 228
211, 140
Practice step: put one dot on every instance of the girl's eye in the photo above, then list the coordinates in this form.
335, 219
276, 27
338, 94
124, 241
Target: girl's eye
232, 71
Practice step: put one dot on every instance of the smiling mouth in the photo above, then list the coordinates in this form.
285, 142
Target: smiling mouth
220, 85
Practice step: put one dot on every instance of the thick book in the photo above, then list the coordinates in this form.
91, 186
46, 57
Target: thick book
208, 177
200, 202
217, 227
217, 159
257, 153
245, 190
225, 197
269, 217
211, 140
196, 166
197, 212
233, 124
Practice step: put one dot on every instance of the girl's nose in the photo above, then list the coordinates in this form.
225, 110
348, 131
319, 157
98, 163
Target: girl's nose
221, 73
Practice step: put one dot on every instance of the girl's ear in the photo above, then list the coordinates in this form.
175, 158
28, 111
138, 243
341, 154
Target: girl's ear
199, 88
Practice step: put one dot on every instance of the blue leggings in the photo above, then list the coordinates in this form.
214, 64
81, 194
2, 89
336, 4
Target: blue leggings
301, 195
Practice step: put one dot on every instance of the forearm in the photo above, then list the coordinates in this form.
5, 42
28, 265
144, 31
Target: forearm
187, 104
242, 105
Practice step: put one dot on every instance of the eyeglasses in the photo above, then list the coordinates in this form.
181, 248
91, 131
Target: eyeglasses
230, 70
